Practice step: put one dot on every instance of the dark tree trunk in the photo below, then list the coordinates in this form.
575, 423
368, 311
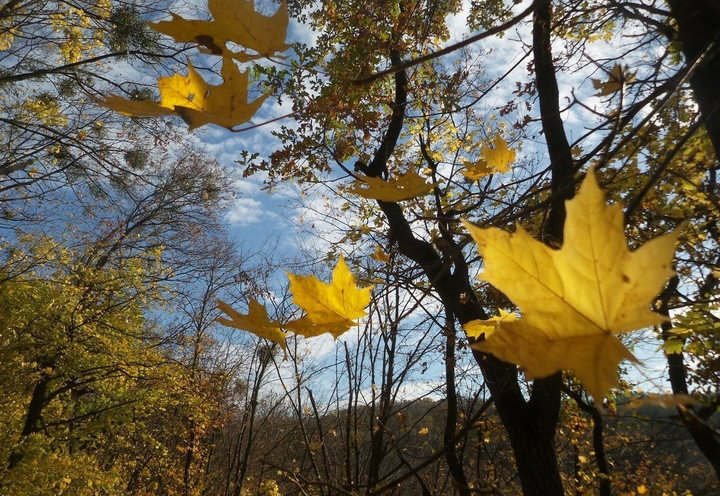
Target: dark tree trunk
32, 417
188, 460
698, 23
705, 438
530, 423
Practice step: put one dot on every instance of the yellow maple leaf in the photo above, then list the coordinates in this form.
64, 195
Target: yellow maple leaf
576, 299
493, 159
380, 255
234, 21
404, 187
307, 328
330, 308
476, 328
256, 321
617, 78
133, 108
197, 102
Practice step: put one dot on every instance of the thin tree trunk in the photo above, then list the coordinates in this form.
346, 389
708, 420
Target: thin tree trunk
32, 417
451, 456
705, 438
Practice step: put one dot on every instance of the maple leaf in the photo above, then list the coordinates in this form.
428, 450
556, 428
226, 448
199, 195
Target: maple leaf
307, 328
476, 328
331, 308
406, 186
574, 300
197, 102
493, 159
617, 78
133, 108
234, 21
380, 255
256, 321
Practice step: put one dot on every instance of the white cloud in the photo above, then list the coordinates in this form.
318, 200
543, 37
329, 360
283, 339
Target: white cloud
246, 211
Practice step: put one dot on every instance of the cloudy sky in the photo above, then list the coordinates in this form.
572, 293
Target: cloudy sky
288, 213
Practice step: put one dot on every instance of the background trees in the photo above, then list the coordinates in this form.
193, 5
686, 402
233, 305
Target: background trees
113, 252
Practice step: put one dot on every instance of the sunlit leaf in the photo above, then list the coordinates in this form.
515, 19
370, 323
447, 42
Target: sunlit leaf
197, 102
493, 159
406, 186
330, 308
234, 21
673, 346
476, 328
256, 321
574, 300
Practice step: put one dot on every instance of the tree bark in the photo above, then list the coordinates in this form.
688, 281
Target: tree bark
698, 24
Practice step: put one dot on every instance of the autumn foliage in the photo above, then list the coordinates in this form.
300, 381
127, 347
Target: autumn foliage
518, 289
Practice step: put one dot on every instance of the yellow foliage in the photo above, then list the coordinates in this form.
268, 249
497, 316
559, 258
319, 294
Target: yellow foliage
493, 159
265, 488
7, 37
46, 110
405, 187
76, 26
330, 308
577, 299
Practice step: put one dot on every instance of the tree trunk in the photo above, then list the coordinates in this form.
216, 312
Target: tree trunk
704, 437
530, 424
698, 23
32, 417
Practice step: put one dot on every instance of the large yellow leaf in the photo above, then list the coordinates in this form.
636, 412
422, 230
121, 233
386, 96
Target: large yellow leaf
234, 21
493, 159
574, 300
330, 307
197, 102
405, 187
256, 321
